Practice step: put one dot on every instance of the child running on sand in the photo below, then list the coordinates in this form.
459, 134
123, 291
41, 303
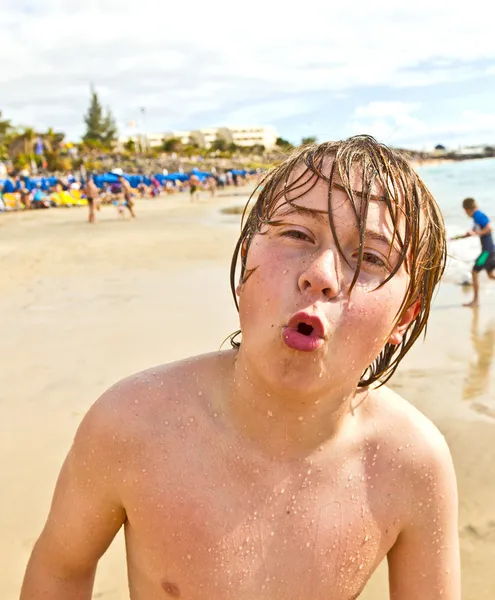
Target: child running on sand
486, 260
281, 468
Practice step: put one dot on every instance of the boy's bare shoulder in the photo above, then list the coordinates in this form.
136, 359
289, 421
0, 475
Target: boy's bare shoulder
409, 433
140, 403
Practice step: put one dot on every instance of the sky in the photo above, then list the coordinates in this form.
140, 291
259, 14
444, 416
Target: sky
413, 76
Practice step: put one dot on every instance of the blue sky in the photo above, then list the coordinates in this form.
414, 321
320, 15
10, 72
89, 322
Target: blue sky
412, 76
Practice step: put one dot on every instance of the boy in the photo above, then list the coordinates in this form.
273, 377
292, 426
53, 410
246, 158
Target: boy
280, 469
486, 260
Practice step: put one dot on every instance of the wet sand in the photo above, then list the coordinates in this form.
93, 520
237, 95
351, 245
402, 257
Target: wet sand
83, 306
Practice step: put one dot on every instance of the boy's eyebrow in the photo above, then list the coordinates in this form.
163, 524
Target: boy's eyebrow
358, 192
318, 215
372, 234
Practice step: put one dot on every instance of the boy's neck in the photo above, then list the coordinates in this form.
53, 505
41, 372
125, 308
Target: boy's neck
288, 425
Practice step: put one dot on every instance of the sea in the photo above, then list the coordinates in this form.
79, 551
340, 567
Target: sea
450, 183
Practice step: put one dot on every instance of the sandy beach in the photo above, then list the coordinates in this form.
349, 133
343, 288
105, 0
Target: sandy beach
83, 306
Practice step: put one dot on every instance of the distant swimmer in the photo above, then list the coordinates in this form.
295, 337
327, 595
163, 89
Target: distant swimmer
486, 260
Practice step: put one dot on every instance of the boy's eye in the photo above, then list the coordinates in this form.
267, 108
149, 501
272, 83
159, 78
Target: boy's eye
295, 234
374, 259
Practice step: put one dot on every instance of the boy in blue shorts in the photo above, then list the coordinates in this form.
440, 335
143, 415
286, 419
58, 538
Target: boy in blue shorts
486, 260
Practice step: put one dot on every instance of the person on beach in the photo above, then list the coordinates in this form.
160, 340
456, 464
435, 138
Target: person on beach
127, 192
91, 192
281, 468
194, 184
211, 184
486, 260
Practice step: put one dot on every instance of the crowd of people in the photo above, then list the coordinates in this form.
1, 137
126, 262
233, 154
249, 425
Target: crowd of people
22, 192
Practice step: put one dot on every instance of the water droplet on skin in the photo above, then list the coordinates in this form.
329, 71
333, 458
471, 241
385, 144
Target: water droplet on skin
188, 557
300, 418
269, 413
191, 420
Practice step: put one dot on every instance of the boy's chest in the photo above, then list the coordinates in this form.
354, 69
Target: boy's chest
213, 531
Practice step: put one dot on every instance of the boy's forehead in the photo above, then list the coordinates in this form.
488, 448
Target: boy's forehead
308, 190
301, 181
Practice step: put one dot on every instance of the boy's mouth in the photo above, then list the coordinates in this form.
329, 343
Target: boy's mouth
304, 332
305, 329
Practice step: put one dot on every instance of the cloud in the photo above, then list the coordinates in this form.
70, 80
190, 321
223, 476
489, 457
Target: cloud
387, 120
206, 63
396, 124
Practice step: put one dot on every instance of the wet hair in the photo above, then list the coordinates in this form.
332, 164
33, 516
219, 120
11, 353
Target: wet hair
418, 225
469, 204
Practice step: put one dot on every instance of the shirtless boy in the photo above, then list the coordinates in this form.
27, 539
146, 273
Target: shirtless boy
280, 469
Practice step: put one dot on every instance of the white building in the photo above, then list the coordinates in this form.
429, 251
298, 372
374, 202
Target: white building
241, 136
254, 136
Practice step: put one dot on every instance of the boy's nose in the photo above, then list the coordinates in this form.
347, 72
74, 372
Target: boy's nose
320, 275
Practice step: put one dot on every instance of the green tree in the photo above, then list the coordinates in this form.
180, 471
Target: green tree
130, 146
94, 119
283, 144
23, 143
309, 140
172, 145
219, 145
258, 149
6, 133
109, 129
101, 129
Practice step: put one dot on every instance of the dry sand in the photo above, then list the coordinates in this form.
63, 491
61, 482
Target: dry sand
83, 306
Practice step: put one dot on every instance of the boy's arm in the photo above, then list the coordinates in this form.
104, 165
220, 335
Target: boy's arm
483, 231
424, 562
84, 517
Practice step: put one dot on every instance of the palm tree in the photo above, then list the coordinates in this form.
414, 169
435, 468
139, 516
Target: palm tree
6, 130
23, 143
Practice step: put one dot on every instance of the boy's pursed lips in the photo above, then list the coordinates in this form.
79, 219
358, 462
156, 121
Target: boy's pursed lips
310, 320
304, 332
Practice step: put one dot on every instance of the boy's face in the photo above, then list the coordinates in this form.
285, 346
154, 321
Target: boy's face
299, 270
470, 211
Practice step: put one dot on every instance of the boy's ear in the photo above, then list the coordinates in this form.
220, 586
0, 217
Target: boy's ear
403, 323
